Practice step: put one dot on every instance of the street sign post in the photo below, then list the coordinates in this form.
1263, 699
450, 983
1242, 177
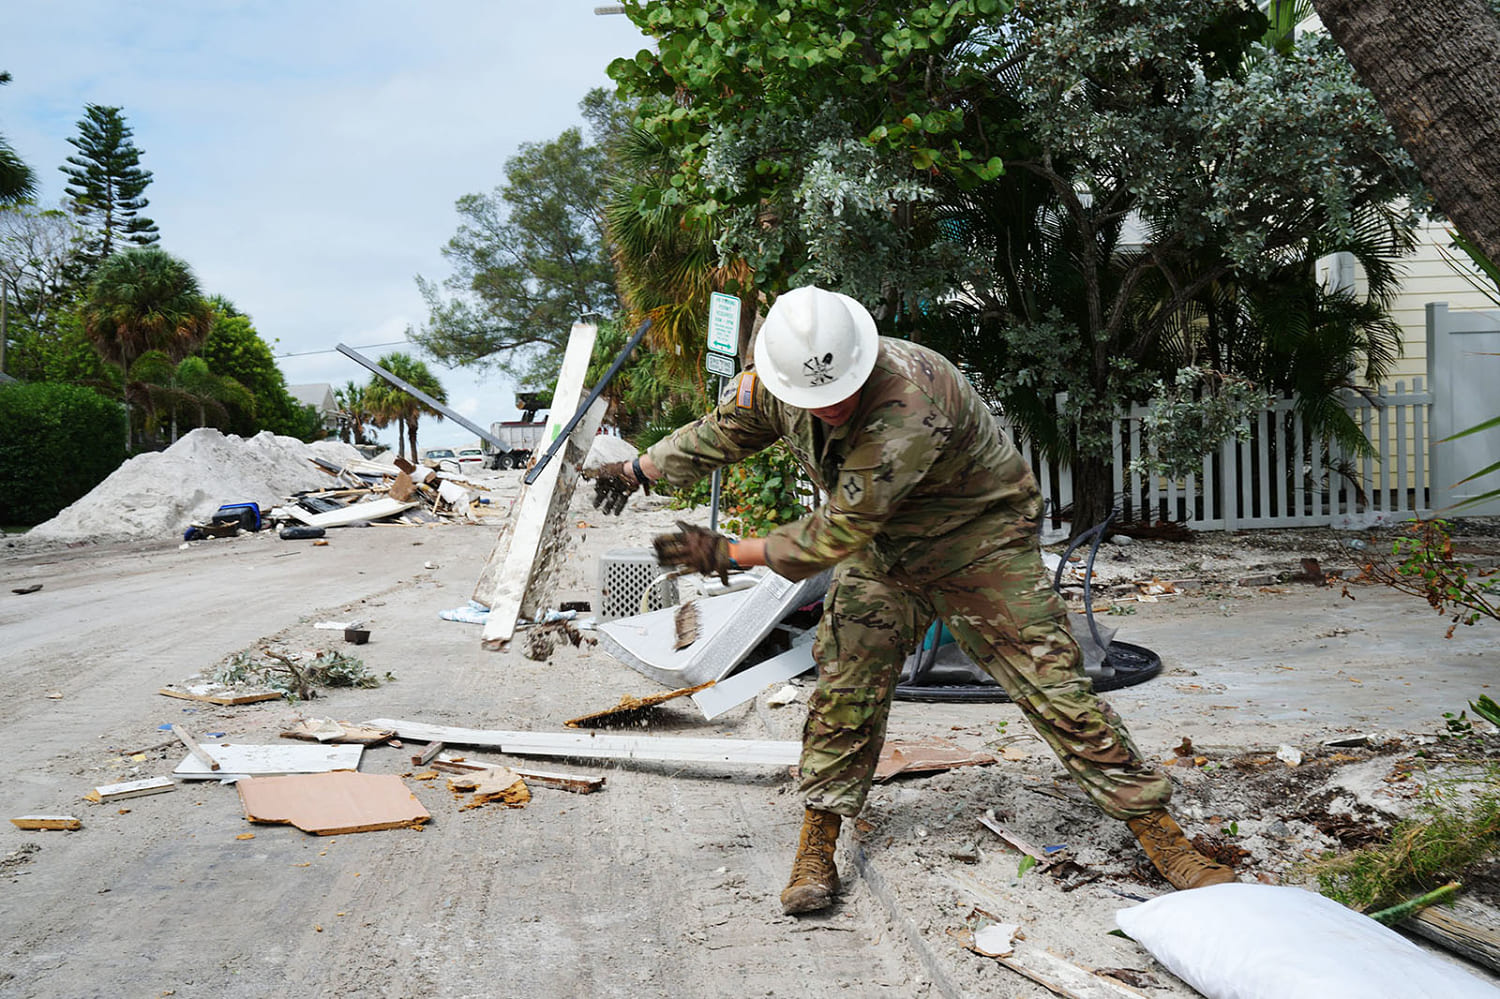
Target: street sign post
724, 324
723, 353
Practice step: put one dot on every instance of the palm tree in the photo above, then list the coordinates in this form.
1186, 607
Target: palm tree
354, 413
141, 300
388, 404
667, 268
17, 182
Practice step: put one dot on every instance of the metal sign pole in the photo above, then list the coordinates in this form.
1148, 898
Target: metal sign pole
714, 493
723, 349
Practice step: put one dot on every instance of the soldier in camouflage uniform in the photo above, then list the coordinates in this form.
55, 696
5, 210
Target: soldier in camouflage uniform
930, 512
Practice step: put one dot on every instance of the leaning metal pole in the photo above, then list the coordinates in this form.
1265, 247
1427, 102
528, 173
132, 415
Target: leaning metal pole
405, 386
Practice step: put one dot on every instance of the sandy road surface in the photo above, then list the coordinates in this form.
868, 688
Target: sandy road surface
665, 883
657, 886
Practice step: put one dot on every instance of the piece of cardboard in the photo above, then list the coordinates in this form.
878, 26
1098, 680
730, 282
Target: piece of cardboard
332, 804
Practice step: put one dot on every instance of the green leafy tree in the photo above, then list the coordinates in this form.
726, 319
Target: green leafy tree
1152, 153
106, 184
389, 404
528, 260
17, 181
41, 284
143, 300
235, 350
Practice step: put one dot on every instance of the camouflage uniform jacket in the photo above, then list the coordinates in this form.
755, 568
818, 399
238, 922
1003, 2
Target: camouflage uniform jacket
921, 474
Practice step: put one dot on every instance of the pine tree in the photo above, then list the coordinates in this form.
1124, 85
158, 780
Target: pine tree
106, 184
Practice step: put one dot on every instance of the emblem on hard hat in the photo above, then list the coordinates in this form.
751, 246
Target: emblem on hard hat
819, 370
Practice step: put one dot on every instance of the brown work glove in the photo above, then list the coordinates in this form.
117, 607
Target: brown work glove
695, 548
613, 484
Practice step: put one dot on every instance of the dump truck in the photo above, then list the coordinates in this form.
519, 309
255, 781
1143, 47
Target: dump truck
522, 440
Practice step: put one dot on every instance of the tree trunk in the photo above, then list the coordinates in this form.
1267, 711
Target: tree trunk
1093, 493
1435, 71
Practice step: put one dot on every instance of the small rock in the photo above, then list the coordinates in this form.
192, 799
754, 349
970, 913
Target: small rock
1289, 755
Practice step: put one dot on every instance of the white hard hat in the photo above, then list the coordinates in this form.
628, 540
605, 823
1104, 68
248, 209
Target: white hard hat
816, 348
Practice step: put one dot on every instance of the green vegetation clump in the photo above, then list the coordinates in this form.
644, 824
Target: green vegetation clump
57, 442
1422, 852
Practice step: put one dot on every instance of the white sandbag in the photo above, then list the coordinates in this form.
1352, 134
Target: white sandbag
1250, 941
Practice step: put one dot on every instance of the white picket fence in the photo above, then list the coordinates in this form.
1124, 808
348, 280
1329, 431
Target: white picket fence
1281, 476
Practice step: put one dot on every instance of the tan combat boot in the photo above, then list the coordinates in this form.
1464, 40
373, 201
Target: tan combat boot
814, 878
1173, 855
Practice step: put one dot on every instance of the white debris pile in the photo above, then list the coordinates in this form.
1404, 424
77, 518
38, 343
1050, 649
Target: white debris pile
155, 496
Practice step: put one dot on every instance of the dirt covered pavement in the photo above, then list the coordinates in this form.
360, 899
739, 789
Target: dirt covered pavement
664, 883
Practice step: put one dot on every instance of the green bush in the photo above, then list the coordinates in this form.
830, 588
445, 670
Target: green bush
56, 443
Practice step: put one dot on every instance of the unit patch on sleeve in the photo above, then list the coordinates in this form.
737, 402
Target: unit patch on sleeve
853, 488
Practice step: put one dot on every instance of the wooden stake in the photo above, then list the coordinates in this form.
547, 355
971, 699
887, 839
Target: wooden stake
199, 753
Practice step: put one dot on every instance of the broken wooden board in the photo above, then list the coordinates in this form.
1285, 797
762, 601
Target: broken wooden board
926, 756
735, 690
331, 804
199, 753
328, 730
354, 513
131, 789
240, 761
492, 785
630, 708
589, 745
32, 822
213, 693
515, 587
576, 783
1449, 929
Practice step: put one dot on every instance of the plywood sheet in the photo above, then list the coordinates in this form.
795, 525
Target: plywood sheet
354, 513
332, 804
511, 585
214, 693
238, 761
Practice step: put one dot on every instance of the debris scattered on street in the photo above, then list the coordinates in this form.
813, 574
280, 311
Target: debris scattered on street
925, 756
33, 822
492, 785
23, 590
576, 783
786, 695
130, 789
198, 752
328, 730
331, 804
218, 693
237, 761
631, 710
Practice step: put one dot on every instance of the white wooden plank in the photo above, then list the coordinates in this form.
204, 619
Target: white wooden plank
737, 689
274, 760
352, 514
542, 506
131, 789
587, 744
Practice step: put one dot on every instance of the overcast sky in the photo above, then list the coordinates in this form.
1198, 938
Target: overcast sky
306, 155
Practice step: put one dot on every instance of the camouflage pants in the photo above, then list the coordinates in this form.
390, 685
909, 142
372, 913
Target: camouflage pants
1016, 632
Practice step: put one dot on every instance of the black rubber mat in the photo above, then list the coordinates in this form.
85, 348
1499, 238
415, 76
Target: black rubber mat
1132, 664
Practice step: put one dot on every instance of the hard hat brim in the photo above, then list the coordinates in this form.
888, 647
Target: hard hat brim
834, 392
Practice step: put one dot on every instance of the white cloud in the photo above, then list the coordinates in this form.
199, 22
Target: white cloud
306, 156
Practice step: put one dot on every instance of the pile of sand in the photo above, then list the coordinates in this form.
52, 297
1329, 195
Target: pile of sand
155, 496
